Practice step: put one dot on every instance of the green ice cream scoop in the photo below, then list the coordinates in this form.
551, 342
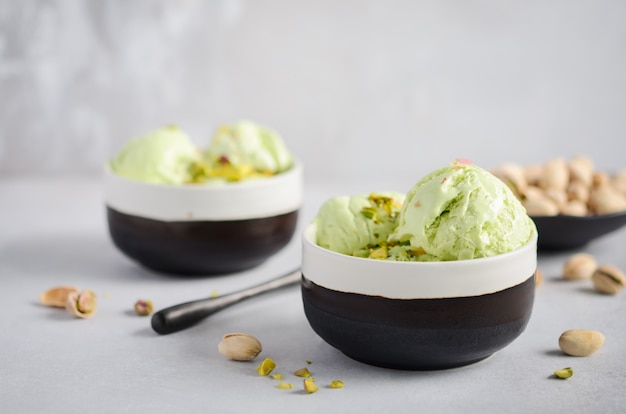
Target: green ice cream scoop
346, 224
462, 212
247, 149
162, 156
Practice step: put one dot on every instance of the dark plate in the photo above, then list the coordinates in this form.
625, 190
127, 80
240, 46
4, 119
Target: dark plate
571, 232
200, 247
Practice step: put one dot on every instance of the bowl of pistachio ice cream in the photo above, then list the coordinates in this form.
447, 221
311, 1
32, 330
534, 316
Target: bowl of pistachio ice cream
438, 277
176, 208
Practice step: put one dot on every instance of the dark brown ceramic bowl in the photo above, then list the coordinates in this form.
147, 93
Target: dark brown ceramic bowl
203, 229
571, 232
417, 316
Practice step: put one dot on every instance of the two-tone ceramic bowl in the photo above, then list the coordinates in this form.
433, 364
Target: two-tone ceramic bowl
417, 315
203, 229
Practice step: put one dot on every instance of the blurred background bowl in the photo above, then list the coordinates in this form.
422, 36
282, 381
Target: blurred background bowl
203, 229
417, 315
564, 232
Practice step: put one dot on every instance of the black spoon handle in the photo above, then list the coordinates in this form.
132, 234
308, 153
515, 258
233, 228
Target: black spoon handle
182, 316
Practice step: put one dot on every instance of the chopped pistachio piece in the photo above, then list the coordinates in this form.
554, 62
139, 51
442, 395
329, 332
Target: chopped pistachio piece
364, 253
369, 212
198, 171
336, 384
266, 367
309, 386
379, 253
564, 373
302, 372
418, 251
390, 205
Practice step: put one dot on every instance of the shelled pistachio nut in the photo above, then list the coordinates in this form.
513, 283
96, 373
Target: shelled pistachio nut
82, 304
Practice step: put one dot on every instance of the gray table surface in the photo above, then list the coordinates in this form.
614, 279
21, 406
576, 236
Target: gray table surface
53, 231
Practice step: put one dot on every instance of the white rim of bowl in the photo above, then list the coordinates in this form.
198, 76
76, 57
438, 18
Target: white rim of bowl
415, 280
258, 198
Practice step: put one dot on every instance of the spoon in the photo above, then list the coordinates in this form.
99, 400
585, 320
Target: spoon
184, 315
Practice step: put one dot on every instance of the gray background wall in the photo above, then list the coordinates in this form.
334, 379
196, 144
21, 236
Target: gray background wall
358, 89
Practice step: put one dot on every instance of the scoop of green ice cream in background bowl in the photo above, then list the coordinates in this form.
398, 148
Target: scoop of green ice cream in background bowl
173, 209
448, 281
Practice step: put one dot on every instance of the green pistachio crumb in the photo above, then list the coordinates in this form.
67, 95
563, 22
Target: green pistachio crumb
564, 373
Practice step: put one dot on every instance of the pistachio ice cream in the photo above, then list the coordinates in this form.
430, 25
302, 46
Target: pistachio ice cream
162, 156
246, 149
456, 212
236, 152
462, 211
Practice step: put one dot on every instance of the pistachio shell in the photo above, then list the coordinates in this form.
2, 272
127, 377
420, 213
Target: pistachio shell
580, 342
555, 175
57, 296
533, 173
575, 208
579, 267
532, 192
240, 346
605, 199
558, 196
541, 207
600, 179
618, 181
581, 169
577, 190
608, 279
513, 176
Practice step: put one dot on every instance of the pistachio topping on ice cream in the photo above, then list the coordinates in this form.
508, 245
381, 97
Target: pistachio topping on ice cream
348, 224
